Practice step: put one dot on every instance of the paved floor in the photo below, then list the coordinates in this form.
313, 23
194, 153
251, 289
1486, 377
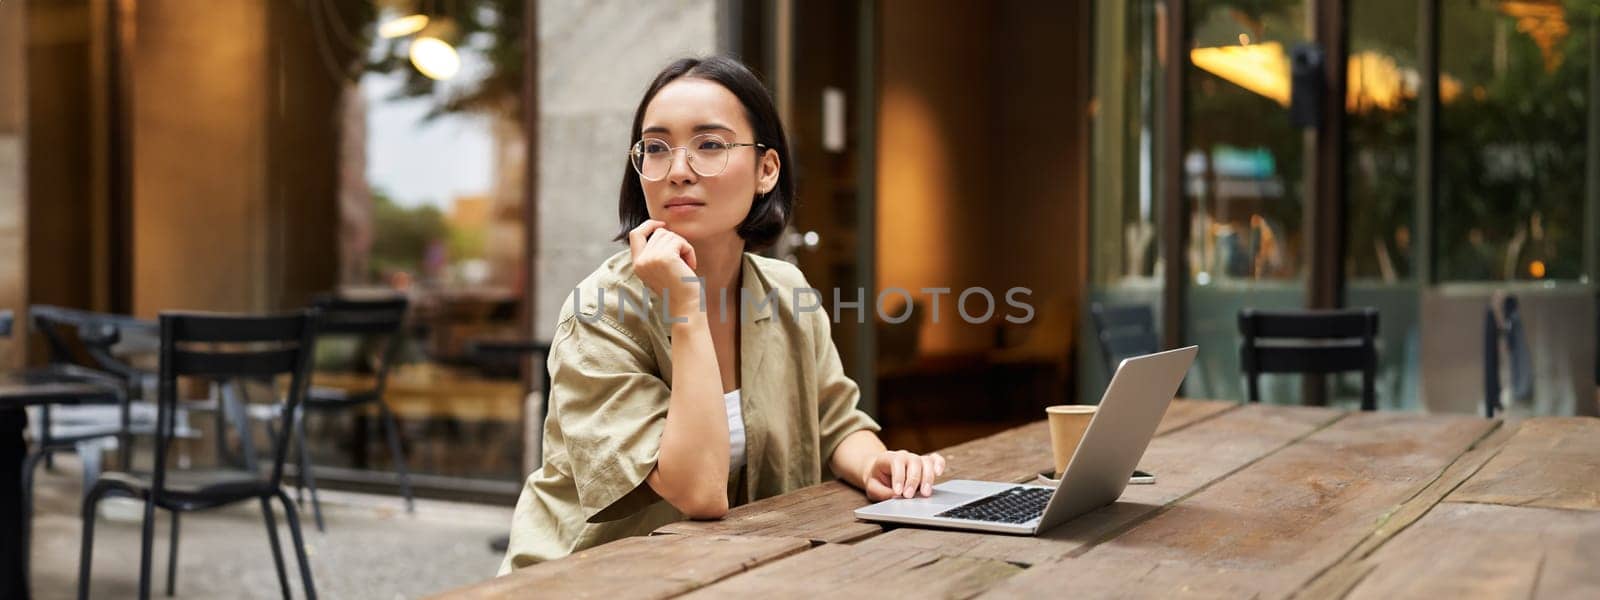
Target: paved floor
372, 548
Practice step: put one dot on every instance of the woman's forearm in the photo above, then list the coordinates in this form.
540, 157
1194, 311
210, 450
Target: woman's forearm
854, 456
692, 470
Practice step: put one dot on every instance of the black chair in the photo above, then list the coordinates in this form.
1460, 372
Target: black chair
91, 339
217, 347
1311, 341
1502, 323
1124, 331
378, 321
83, 339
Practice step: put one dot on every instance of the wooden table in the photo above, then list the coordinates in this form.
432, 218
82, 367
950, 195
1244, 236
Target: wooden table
1250, 501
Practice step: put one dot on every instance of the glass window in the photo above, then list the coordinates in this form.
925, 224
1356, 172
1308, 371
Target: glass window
1244, 171
1243, 160
1514, 94
1381, 138
431, 206
1381, 187
1125, 141
1125, 109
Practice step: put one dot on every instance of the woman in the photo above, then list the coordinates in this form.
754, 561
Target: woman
684, 377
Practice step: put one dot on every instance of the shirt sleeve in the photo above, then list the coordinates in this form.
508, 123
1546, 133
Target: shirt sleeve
837, 394
612, 410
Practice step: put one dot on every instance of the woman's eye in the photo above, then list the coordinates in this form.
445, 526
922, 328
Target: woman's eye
713, 145
654, 147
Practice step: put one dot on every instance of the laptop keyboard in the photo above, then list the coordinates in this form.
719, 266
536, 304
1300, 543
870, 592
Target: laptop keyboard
1016, 505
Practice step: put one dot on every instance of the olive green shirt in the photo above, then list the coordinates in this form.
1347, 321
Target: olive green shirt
610, 383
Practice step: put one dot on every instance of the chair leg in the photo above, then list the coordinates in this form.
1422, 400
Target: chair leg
172, 555
89, 457
221, 424
299, 543
44, 437
147, 540
277, 551
307, 478
125, 450
91, 502
239, 413
397, 455
1369, 393
30, 465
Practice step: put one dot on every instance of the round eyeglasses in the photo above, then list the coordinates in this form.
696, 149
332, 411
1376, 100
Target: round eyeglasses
707, 154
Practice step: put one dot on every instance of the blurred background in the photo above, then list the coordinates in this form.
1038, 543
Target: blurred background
1192, 156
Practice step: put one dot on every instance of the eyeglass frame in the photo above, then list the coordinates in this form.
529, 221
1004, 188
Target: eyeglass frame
635, 149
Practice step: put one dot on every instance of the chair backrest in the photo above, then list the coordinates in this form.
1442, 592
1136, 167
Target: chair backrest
1310, 341
86, 338
243, 347
61, 328
383, 319
1124, 331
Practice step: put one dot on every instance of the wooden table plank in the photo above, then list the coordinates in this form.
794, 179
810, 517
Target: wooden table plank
1551, 462
823, 513
1272, 526
1184, 412
843, 571
1183, 462
1488, 551
818, 513
636, 568
1336, 581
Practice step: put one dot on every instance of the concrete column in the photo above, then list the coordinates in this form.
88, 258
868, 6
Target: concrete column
595, 60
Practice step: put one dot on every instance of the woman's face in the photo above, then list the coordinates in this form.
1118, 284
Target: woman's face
695, 206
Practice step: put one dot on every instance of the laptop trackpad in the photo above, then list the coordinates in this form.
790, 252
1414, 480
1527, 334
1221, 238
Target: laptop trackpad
945, 496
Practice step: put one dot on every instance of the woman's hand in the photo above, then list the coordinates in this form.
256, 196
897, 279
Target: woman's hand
664, 260
902, 474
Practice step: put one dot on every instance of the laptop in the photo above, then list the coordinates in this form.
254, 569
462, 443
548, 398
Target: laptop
1117, 436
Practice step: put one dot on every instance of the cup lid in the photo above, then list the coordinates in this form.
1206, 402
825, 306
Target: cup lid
1071, 409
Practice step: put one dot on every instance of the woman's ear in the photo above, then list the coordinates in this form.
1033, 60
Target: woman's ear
767, 171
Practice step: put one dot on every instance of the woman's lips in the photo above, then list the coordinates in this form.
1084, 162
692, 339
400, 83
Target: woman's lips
682, 207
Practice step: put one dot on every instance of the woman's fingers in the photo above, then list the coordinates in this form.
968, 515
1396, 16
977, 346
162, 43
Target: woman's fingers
913, 474
909, 475
686, 252
669, 242
641, 234
897, 473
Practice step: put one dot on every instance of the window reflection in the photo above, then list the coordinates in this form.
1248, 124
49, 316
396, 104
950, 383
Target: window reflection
1243, 163
432, 208
1512, 144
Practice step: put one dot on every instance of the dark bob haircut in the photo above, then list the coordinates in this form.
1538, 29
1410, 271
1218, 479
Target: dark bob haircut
769, 212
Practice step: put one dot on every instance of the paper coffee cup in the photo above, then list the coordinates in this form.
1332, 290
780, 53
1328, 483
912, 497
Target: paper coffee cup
1067, 424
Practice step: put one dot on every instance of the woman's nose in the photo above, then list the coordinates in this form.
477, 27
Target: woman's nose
681, 173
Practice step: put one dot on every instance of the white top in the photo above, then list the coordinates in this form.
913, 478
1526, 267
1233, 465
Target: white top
735, 430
